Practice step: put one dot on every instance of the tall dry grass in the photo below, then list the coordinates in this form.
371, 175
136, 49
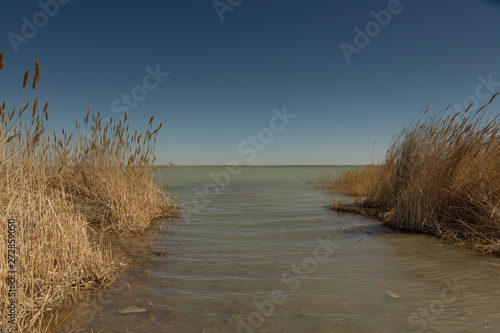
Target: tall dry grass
442, 176
356, 182
108, 173
55, 186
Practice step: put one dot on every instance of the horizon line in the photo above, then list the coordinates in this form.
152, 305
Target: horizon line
255, 165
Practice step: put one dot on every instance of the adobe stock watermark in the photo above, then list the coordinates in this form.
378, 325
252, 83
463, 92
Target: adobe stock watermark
293, 278
372, 29
11, 276
223, 6
249, 149
486, 88
30, 27
150, 81
436, 307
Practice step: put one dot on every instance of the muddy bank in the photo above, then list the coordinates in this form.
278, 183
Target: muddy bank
458, 233
131, 255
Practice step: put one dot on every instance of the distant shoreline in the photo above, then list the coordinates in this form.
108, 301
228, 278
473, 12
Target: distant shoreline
268, 165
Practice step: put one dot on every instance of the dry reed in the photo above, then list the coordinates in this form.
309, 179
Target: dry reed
109, 176
55, 187
357, 182
442, 176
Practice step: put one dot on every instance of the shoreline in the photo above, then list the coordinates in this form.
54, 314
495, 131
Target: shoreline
451, 236
265, 165
130, 254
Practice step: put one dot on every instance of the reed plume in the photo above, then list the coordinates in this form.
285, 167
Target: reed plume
26, 77
36, 77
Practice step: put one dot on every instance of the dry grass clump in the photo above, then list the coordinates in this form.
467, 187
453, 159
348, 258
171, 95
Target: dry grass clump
442, 176
324, 182
357, 182
54, 257
107, 172
54, 187
55, 260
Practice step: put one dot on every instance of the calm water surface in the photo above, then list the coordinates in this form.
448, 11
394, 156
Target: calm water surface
263, 254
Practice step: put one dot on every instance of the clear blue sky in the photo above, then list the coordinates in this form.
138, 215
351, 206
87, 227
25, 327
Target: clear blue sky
226, 76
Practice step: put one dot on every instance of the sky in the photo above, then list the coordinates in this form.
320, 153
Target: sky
255, 81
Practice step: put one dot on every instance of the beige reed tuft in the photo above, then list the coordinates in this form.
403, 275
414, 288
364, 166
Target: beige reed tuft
440, 176
62, 189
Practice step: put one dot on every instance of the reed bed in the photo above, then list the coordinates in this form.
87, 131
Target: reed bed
442, 176
60, 189
357, 182
108, 173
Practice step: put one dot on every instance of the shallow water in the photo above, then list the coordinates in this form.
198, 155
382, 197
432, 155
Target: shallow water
263, 254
